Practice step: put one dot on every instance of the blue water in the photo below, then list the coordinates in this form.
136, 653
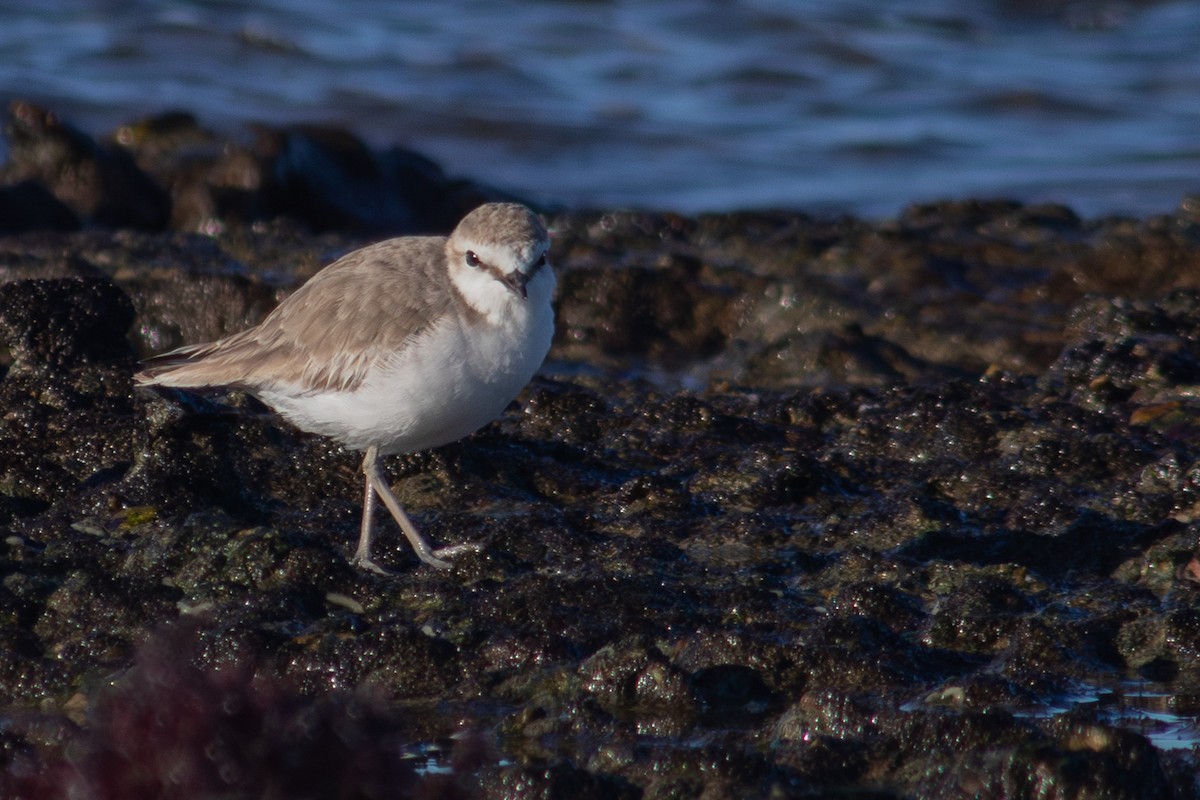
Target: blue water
854, 105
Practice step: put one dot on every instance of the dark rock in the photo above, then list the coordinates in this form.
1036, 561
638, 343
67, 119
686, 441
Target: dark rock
562, 781
328, 179
70, 372
29, 206
168, 169
98, 183
1088, 762
212, 181
170, 723
63, 322
942, 546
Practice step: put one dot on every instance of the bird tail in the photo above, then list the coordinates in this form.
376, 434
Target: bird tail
177, 368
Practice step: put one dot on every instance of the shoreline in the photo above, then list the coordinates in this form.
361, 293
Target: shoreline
797, 505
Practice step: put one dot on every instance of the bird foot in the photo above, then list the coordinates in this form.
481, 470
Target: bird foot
367, 564
434, 558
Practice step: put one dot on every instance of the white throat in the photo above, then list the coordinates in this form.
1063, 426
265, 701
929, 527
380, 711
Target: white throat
497, 302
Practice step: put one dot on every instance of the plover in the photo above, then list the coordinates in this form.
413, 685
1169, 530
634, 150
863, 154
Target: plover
401, 346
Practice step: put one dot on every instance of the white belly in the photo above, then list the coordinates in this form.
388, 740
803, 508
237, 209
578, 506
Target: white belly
450, 382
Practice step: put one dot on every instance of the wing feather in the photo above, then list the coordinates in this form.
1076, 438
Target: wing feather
328, 334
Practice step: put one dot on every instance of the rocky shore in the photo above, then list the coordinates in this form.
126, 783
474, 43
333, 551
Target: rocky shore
798, 507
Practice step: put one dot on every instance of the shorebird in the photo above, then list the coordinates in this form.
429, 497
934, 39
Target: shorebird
401, 346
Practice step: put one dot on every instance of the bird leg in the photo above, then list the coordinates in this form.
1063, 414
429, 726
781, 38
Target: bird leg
376, 485
362, 554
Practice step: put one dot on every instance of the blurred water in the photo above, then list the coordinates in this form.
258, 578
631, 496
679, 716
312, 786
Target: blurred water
858, 105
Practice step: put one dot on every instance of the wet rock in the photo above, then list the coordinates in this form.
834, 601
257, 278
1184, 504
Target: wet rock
98, 183
65, 322
1125, 349
670, 314
328, 179
168, 169
921, 554
212, 181
558, 782
1091, 761
70, 372
203, 732
28, 206
978, 616
634, 680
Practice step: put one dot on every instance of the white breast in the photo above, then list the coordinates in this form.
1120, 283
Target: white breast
456, 377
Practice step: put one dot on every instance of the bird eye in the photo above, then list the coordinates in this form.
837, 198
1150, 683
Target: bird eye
472, 259
541, 262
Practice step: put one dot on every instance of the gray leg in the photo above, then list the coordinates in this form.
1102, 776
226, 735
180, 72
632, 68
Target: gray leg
362, 554
377, 485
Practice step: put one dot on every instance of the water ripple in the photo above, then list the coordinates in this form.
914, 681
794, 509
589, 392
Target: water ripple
834, 105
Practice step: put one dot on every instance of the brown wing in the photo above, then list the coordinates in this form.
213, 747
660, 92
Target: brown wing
326, 335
